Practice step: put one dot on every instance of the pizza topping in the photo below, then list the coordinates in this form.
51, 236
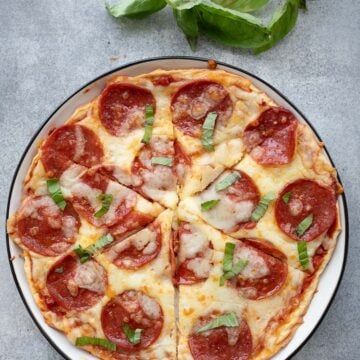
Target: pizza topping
132, 335
263, 275
226, 320
208, 131
304, 225
208, 205
221, 337
87, 253
78, 286
309, 213
286, 197
136, 250
87, 340
149, 122
44, 228
263, 205
86, 194
136, 310
55, 193
237, 202
194, 255
122, 108
229, 180
160, 160
270, 139
153, 169
194, 101
182, 162
70, 144
231, 270
303, 254
106, 199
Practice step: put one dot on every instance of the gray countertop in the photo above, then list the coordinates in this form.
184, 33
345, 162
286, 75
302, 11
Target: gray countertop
48, 49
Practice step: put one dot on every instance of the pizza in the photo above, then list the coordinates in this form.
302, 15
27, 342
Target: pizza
181, 214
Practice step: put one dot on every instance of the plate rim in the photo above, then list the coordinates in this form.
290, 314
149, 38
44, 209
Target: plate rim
138, 62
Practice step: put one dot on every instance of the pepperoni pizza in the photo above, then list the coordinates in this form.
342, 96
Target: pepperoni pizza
179, 215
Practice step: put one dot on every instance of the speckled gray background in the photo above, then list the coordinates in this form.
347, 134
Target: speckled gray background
50, 48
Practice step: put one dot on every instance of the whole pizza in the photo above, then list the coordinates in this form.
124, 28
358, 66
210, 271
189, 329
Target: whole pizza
179, 215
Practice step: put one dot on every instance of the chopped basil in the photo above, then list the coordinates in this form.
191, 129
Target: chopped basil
149, 122
227, 320
55, 193
304, 225
134, 336
87, 340
228, 256
59, 270
208, 131
229, 269
303, 254
228, 181
86, 253
106, 199
263, 205
208, 205
166, 161
286, 197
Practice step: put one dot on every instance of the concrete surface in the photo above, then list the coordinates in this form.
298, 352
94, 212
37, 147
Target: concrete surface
48, 49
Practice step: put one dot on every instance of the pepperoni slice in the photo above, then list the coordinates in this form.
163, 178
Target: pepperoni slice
153, 180
236, 205
307, 197
271, 138
70, 144
194, 253
122, 107
195, 100
136, 250
85, 198
182, 162
44, 228
264, 275
138, 311
223, 343
75, 286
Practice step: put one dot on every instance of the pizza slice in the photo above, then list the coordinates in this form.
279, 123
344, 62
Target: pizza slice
241, 300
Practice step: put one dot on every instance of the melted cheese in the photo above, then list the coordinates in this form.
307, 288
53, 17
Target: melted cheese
90, 276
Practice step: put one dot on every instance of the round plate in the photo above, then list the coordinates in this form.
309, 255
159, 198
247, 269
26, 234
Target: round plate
329, 280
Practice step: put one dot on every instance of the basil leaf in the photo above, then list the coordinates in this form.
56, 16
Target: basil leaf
282, 22
227, 320
149, 122
183, 4
55, 193
303, 254
231, 27
59, 270
228, 181
208, 131
188, 23
134, 336
208, 205
261, 208
166, 161
304, 225
242, 5
239, 266
286, 197
136, 9
106, 199
86, 253
228, 256
87, 340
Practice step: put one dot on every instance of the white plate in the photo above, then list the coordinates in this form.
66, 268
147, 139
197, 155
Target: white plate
329, 281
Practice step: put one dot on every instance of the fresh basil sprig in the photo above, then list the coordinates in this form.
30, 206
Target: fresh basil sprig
229, 22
